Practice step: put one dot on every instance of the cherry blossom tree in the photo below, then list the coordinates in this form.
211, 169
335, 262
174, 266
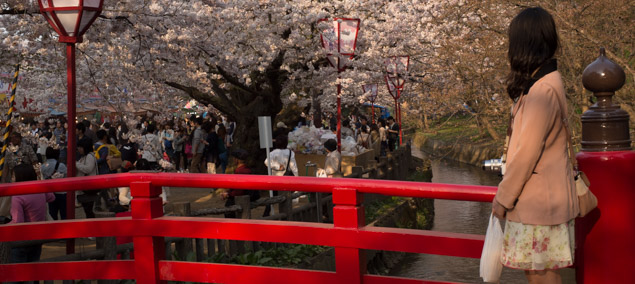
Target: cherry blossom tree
249, 58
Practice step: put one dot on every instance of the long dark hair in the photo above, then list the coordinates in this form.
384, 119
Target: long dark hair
533, 39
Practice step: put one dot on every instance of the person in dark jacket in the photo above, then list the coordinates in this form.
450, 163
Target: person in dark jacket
240, 155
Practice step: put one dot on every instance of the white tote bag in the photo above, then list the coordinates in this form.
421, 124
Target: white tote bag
491, 266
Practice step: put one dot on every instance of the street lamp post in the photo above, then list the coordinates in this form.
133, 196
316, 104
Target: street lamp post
339, 39
371, 91
70, 19
396, 71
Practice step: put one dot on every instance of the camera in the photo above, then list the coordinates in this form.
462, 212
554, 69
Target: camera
494, 165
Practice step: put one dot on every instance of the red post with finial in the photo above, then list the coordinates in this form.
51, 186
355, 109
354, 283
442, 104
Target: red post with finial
604, 238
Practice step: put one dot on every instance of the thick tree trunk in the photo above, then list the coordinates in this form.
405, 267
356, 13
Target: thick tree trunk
244, 104
247, 138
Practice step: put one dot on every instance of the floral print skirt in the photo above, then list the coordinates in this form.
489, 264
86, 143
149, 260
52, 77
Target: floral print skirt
538, 247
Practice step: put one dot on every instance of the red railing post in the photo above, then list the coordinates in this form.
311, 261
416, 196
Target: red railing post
604, 238
146, 204
350, 263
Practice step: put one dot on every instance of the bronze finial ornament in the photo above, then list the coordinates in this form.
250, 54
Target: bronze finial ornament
605, 125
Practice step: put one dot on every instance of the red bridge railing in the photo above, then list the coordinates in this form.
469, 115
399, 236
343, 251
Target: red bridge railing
148, 227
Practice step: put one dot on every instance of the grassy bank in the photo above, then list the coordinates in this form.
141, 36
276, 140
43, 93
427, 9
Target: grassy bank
460, 129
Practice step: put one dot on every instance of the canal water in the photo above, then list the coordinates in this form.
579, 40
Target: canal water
458, 217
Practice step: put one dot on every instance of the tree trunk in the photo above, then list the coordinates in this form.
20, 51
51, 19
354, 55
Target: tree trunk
244, 104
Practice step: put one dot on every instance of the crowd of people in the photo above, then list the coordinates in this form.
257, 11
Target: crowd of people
38, 150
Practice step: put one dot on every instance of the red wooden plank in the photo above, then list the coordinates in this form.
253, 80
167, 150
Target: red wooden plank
422, 241
377, 238
114, 269
394, 188
82, 228
229, 273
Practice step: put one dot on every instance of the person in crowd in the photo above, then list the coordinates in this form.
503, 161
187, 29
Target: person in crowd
282, 159
128, 151
18, 152
43, 142
281, 130
81, 135
151, 146
393, 133
223, 156
167, 140
537, 196
179, 147
198, 146
52, 169
88, 131
383, 136
363, 139
121, 131
333, 158
374, 133
333, 122
28, 208
231, 128
59, 131
211, 147
35, 131
63, 150
241, 156
346, 129
187, 151
112, 133
363, 124
102, 152
87, 166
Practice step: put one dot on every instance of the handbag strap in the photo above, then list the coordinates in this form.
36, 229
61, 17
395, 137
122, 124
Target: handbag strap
288, 161
565, 122
509, 127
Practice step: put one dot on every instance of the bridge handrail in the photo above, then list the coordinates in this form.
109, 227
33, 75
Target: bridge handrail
256, 182
148, 227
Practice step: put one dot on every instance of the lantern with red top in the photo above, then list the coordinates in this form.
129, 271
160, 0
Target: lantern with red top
70, 19
396, 73
370, 90
339, 39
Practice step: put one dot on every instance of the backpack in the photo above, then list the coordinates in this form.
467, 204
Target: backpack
114, 161
57, 165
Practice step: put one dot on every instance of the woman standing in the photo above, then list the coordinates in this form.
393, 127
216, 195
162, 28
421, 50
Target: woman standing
537, 194
222, 150
382, 136
333, 158
28, 208
87, 166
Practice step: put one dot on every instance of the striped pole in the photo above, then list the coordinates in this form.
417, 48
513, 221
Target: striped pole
14, 84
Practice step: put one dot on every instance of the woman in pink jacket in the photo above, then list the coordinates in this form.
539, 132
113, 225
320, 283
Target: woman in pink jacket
28, 208
537, 194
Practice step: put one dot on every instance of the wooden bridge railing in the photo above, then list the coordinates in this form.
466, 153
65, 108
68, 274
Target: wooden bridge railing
149, 229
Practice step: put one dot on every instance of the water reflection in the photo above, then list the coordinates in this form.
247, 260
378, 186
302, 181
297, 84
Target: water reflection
459, 217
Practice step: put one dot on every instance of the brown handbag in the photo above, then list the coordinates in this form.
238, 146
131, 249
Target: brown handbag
586, 198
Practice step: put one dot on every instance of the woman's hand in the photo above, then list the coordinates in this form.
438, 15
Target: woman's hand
498, 210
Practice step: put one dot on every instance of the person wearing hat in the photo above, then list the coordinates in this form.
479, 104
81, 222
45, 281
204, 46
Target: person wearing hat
241, 156
281, 129
333, 158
